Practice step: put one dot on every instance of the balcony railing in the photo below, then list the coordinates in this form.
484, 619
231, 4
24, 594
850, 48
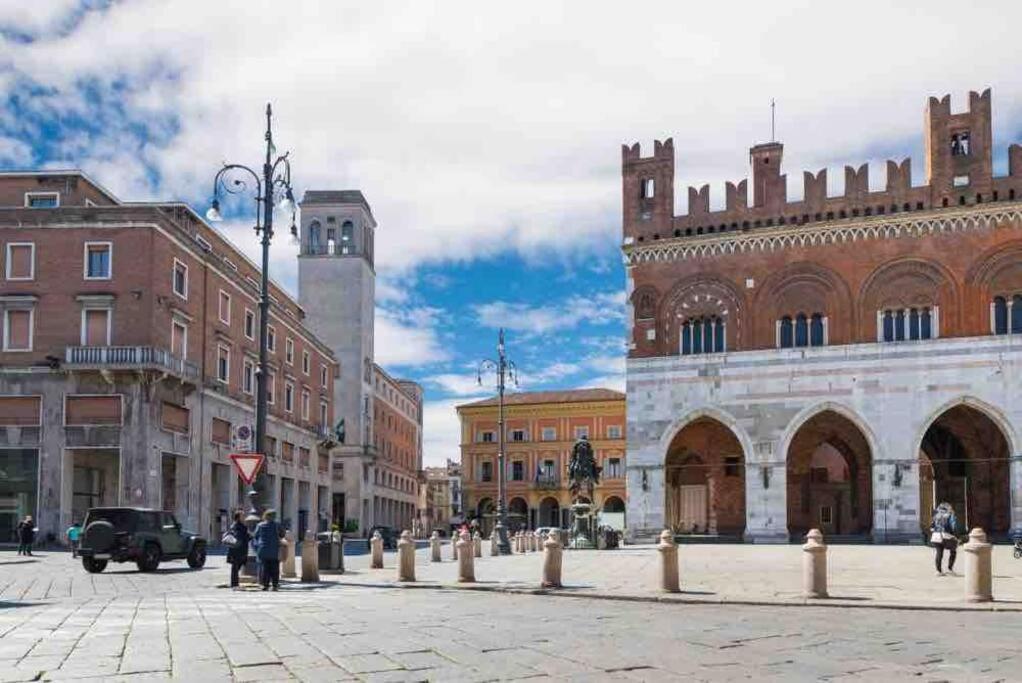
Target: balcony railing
548, 482
129, 357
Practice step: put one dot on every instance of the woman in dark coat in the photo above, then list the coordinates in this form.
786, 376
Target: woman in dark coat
26, 535
238, 553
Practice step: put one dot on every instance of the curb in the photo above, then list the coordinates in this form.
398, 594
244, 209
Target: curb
680, 600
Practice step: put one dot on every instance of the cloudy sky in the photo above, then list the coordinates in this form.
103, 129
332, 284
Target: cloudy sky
486, 136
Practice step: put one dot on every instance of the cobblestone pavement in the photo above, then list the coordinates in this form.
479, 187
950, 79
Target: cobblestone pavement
122, 625
857, 575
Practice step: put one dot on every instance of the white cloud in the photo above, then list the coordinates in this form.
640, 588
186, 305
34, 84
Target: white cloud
15, 153
477, 129
596, 309
408, 337
456, 384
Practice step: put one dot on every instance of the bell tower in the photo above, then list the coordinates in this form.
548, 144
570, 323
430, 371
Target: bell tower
337, 289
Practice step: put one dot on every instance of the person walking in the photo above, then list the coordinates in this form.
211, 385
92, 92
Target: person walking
237, 553
942, 537
26, 535
74, 533
266, 541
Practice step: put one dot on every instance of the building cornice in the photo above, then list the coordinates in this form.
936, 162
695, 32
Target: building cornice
889, 226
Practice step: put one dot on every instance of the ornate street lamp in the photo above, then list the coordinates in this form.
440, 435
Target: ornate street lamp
505, 369
272, 190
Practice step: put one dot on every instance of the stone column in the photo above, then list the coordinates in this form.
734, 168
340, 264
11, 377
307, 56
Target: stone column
376, 545
552, 561
494, 548
310, 559
669, 580
406, 557
814, 566
434, 547
978, 570
466, 560
288, 568
477, 544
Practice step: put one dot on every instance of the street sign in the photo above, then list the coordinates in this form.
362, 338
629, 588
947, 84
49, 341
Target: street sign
248, 465
243, 438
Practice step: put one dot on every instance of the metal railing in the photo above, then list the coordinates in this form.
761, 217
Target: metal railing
548, 482
129, 357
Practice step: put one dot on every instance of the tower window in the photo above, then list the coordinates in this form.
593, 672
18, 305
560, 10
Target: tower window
960, 146
347, 237
647, 188
315, 236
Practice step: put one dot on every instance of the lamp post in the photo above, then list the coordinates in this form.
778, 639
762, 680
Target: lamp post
272, 189
505, 369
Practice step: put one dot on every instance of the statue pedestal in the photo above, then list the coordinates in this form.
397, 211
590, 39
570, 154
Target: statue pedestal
582, 532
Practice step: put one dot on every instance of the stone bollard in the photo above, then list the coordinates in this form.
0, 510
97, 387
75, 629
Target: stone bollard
287, 567
521, 541
814, 566
978, 570
454, 545
376, 545
552, 561
477, 544
668, 562
494, 544
406, 557
466, 561
310, 559
534, 539
434, 547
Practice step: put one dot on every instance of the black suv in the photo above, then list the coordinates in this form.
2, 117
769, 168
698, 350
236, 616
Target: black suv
145, 537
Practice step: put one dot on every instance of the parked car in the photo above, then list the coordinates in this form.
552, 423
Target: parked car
145, 537
388, 534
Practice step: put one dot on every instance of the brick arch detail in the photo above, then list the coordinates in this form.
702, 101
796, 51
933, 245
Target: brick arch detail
700, 294
905, 282
809, 412
999, 270
724, 418
987, 409
645, 300
804, 287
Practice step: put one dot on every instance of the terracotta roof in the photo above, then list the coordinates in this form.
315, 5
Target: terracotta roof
566, 396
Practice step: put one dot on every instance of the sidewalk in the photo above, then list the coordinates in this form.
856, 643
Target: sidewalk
890, 577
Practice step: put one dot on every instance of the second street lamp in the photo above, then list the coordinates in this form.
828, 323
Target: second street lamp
506, 370
272, 190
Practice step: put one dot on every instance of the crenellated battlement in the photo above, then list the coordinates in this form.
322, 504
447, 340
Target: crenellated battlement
959, 172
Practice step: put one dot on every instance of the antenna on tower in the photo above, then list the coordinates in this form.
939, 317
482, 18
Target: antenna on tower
773, 121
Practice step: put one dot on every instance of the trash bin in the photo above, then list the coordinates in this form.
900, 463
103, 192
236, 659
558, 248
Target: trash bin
331, 557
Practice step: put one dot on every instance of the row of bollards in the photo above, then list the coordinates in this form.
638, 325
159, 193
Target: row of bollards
310, 557
978, 569
465, 549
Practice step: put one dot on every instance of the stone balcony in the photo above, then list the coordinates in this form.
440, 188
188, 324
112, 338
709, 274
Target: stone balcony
129, 358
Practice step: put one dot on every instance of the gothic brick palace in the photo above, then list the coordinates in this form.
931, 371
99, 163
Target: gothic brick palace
835, 362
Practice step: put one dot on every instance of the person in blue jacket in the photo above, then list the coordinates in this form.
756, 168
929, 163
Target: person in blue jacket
266, 542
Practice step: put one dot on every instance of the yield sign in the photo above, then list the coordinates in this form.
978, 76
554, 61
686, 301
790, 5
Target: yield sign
248, 465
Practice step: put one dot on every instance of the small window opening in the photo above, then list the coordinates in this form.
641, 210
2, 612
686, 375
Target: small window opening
960, 144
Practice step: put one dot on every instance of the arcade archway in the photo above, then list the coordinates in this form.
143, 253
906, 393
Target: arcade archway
549, 513
964, 460
705, 480
518, 514
830, 483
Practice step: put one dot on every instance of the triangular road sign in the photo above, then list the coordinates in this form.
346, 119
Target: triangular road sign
248, 465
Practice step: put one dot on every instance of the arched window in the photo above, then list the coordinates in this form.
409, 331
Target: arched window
899, 326
697, 336
686, 339
1016, 314
718, 336
314, 236
801, 330
816, 330
913, 323
926, 324
347, 237
1000, 315
703, 335
888, 326
787, 338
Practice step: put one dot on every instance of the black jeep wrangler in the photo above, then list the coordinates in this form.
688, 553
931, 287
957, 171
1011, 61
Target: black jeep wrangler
145, 537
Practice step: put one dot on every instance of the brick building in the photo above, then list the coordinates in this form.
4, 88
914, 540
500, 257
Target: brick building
836, 362
128, 364
377, 464
439, 502
541, 429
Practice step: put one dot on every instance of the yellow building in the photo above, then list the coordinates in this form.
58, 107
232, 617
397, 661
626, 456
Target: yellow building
540, 429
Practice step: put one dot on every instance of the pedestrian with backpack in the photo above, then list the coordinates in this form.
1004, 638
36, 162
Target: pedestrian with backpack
942, 537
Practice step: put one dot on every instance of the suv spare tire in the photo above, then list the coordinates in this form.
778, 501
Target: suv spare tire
99, 536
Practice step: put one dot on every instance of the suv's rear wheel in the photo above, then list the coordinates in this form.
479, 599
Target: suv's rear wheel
150, 558
197, 558
92, 565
